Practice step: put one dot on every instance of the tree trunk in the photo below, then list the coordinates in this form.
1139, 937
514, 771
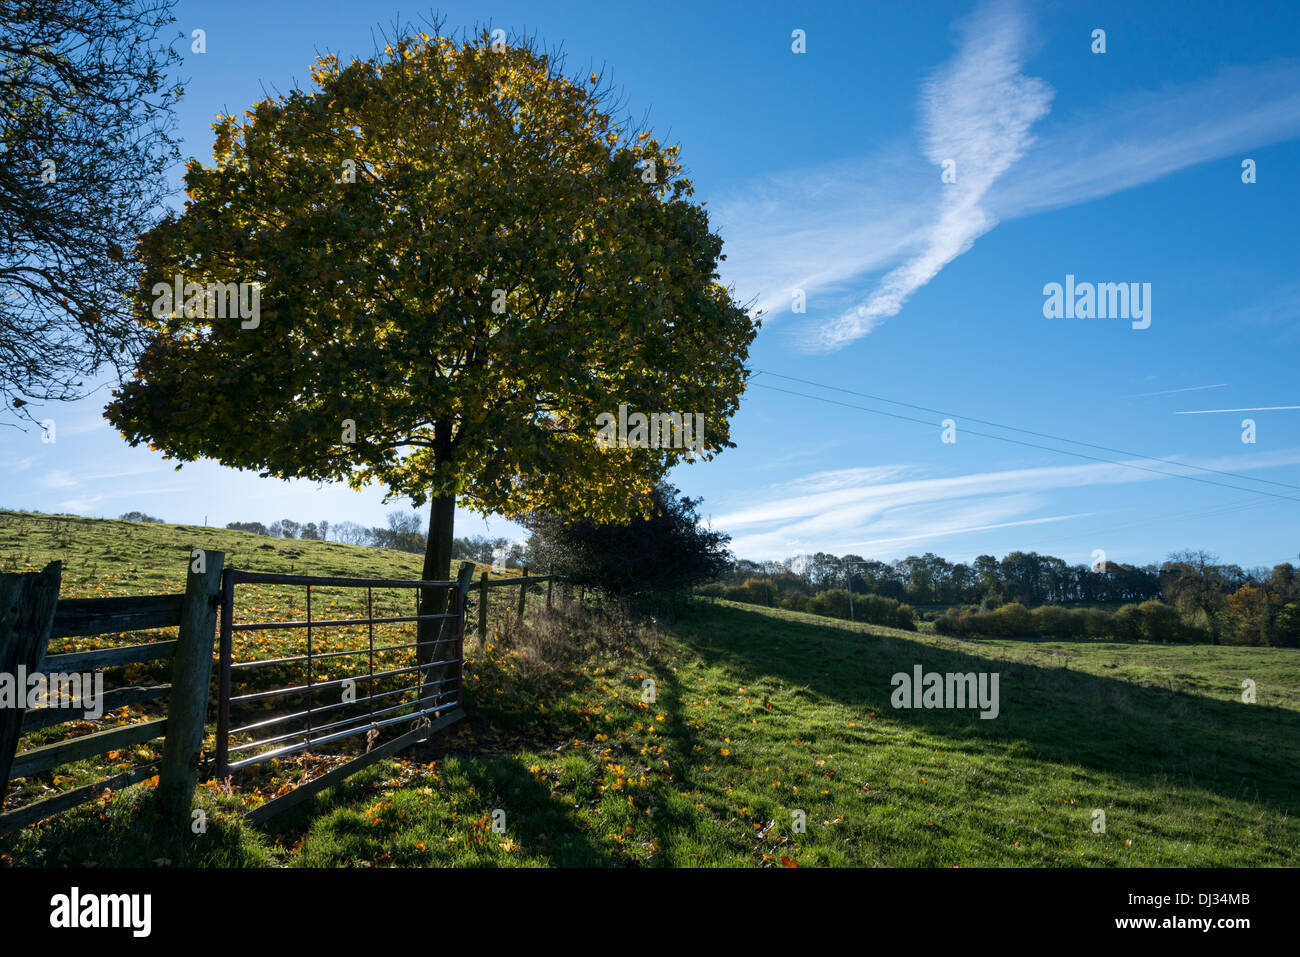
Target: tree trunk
436, 637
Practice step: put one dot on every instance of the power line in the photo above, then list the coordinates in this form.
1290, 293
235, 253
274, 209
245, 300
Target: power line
1012, 428
1034, 445
1169, 517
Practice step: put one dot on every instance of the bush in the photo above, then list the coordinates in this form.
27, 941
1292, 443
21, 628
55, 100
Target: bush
1126, 623
1096, 623
1159, 622
668, 552
878, 610
257, 528
832, 603
1057, 622
1153, 620
1286, 630
1011, 621
948, 624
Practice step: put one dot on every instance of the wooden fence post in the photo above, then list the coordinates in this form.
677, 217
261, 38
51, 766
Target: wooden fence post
464, 582
482, 611
523, 594
187, 702
26, 613
549, 582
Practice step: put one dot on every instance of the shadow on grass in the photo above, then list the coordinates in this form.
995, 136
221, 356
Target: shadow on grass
544, 829
1241, 751
127, 832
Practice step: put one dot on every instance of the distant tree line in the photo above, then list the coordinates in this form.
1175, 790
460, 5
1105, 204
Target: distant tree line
405, 533
930, 579
830, 602
1190, 596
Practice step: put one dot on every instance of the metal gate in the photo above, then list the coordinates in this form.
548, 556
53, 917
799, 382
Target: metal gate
322, 701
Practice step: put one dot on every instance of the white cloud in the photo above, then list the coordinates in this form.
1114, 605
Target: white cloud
978, 114
853, 509
823, 229
59, 479
1144, 136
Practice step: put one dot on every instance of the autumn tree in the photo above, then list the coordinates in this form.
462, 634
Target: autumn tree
85, 141
456, 259
1253, 614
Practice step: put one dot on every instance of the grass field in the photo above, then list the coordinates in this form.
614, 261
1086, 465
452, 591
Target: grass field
761, 719
103, 558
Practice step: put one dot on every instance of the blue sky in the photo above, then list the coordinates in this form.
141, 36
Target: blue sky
823, 174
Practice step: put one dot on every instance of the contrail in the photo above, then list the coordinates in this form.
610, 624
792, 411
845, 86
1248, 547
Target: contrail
1262, 408
1193, 388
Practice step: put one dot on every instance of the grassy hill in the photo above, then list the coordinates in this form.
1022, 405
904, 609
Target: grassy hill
762, 720
110, 557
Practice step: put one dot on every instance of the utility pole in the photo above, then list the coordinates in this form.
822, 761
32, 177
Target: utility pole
848, 582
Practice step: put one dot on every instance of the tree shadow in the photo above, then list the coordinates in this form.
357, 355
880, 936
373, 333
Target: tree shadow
536, 819
1241, 751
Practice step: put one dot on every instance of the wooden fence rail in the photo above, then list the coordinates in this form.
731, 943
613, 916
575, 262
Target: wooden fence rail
523, 583
31, 614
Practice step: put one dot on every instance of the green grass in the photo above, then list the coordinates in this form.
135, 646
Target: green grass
105, 558
763, 717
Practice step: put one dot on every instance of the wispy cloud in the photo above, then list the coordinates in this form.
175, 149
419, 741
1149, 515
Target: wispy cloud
86, 502
955, 527
843, 478
853, 509
1141, 137
978, 114
828, 229
816, 228
59, 479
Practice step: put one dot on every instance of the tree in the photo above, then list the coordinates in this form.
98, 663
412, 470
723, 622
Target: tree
462, 262
664, 553
988, 572
350, 533
1191, 581
86, 139
257, 528
404, 532
1022, 576
1253, 613
824, 570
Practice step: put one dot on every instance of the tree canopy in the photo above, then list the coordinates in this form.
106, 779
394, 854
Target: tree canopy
85, 142
460, 261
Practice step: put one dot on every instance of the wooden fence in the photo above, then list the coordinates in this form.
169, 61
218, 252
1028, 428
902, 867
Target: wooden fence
31, 614
523, 583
